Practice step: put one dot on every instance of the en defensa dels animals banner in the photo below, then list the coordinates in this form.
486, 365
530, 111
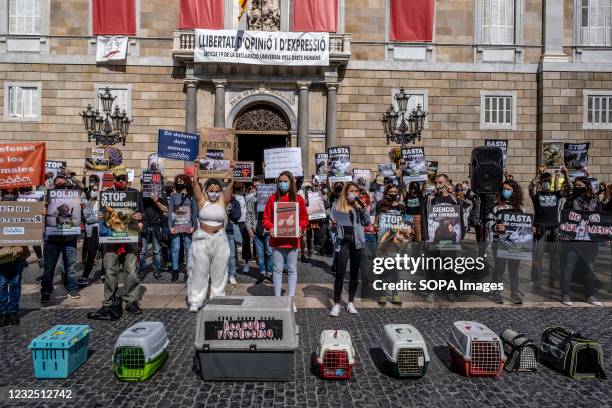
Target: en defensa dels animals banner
117, 224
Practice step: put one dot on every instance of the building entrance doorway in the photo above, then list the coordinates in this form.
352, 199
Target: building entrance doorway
260, 127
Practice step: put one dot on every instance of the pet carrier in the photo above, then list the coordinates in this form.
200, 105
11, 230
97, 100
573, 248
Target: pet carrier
572, 354
248, 338
140, 351
475, 350
521, 352
59, 351
336, 355
405, 350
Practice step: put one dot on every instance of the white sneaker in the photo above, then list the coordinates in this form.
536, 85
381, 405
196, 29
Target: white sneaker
335, 310
193, 309
246, 268
232, 280
594, 301
294, 308
350, 307
567, 301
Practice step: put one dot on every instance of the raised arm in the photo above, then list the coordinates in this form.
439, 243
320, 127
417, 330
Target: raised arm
197, 190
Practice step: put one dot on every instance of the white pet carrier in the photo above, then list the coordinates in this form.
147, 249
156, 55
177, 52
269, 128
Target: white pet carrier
475, 349
521, 352
248, 338
335, 355
405, 350
140, 351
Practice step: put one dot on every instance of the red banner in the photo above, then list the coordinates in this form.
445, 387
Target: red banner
412, 20
22, 165
114, 17
201, 14
315, 15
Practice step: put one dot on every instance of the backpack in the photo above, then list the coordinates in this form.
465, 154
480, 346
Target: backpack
571, 354
10, 254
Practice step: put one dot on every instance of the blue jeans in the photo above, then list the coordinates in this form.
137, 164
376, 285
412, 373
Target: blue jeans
151, 234
570, 255
281, 258
231, 262
176, 247
264, 253
10, 286
51, 253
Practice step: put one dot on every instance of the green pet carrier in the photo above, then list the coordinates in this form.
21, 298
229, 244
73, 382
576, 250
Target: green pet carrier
140, 351
571, 354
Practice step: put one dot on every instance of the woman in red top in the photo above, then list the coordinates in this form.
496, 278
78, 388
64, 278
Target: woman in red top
285, 250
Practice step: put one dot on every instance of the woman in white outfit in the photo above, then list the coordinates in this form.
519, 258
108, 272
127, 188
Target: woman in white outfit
209, 251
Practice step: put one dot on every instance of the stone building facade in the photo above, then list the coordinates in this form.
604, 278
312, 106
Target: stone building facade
545, 64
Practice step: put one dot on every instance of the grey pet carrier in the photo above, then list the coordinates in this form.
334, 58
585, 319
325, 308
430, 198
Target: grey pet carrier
521, 352
248, 338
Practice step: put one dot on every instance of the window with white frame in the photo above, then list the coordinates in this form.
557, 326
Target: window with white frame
497, 110
25, 17
417, 97
122, 94
596, 22
22, 101
497, 22
597, 109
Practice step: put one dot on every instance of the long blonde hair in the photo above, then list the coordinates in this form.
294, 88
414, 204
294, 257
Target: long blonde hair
342, 204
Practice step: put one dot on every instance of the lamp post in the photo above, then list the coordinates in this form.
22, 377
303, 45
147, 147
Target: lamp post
108, 127
401, 128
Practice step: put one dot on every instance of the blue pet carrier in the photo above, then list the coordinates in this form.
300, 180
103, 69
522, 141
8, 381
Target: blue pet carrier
59, 351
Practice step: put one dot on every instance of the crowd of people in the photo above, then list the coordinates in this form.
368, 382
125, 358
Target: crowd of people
225, 221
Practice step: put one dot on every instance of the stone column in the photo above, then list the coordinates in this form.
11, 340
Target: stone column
219, 102
330, 117
191, 106
553, 31
304, 126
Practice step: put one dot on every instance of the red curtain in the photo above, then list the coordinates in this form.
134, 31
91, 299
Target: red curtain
201, 14
315, 15
412, 20
114, 17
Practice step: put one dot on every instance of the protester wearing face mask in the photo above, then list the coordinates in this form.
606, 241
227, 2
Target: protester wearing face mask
580, 255
14, 261
546, 222
349, 218
56, 246
234, 213
91, 213
285, 250
509, 200
261, 238
209, 252
182, 221
442, 196
244, 233
154, 208
120, 263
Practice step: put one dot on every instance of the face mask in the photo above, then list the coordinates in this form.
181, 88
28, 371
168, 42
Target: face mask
213, 195
506, 194
352, 197
325, 190
92, 182
440, 189
94, 194
578, 191
180, 186
120, 185
546, 186
283, 186
392, 197
60, 186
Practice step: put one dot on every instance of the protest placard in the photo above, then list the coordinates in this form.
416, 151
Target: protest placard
264, 191
517, 239
339, 159
117, 224
502, 144
63, 212
152, 183
286, 220
552, 155
321, 166
22, 165
176, 145
444, 226
576, 158
97, 158
21, 223
415, 168
316, 206
361, 177
585, 226
243, 171
283, 159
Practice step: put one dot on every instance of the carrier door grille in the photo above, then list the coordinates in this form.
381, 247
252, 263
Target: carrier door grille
408, 360
335, 363
130, 358
485, 357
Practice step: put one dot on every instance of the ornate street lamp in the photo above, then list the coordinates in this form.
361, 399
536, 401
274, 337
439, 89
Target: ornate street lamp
398, 127
108, 127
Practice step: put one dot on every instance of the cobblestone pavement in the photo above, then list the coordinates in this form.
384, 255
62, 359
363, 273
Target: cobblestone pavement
177, 384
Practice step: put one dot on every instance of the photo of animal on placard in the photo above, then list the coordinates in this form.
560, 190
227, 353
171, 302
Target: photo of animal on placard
117, 224
63, 212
